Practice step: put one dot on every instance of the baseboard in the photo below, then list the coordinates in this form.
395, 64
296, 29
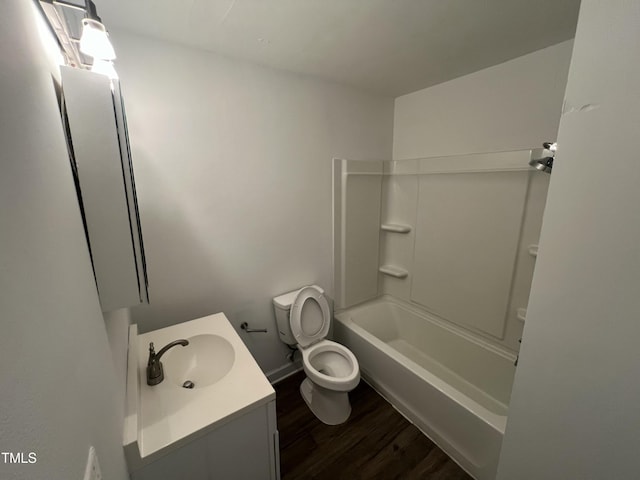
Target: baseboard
280, 373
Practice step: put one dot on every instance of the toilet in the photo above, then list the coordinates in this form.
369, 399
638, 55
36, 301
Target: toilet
304, 317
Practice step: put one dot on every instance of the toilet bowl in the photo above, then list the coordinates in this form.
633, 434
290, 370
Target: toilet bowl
304, 319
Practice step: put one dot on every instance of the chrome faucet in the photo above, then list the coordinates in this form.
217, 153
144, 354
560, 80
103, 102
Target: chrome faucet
155, 374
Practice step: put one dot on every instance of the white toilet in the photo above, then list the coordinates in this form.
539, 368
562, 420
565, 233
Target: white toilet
304, 318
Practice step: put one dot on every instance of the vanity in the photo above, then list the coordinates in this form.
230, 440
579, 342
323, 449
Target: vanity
213, 415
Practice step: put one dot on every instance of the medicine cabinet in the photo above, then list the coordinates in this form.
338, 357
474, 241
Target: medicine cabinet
94, 118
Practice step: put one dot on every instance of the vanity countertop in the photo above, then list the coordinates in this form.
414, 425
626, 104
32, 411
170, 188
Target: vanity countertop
167, 416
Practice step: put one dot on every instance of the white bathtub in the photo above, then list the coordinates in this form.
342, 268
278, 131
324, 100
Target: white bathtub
451, 385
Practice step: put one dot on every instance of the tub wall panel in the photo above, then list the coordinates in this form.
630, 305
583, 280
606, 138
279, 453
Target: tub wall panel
357, 190
399, 203
467, 233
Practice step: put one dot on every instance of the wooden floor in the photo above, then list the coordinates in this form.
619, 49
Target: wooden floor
375, 443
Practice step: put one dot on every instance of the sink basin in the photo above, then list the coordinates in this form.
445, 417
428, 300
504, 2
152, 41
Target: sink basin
205, 361
228, 384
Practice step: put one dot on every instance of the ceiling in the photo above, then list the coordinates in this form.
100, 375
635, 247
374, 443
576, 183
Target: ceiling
390, 47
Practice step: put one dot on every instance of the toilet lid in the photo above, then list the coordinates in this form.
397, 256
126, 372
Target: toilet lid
310, 318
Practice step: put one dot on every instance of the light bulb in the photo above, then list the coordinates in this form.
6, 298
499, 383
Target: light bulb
95, 40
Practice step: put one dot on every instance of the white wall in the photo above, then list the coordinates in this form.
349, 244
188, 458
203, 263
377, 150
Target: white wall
512, 106
57, 381
575, 406
233, 172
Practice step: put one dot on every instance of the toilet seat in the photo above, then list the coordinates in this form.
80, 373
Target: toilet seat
331, 365
310, 316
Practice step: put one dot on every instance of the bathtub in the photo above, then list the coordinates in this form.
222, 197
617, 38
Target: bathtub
451, 385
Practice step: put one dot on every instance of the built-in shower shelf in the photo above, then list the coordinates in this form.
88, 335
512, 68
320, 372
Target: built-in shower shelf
533, 250
393, 271
521, 313
395, 227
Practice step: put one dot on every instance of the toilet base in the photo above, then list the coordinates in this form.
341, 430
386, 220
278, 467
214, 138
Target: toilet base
330, 407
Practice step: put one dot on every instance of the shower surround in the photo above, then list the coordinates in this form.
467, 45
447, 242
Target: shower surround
433, 260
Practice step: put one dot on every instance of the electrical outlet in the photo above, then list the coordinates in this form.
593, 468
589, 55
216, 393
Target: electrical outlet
92, 472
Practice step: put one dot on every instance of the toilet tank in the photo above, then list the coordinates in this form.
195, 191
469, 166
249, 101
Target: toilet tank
282, 306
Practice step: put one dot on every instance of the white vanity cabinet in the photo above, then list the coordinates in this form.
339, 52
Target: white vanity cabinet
246, 448
223, 428
95, 123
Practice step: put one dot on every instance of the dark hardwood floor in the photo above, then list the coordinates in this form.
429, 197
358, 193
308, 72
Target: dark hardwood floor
375, 443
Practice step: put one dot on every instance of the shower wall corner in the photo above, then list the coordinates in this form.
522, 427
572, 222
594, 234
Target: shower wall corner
357, 192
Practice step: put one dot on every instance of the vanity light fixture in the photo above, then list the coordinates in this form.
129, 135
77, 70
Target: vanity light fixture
95, 40
82, 37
